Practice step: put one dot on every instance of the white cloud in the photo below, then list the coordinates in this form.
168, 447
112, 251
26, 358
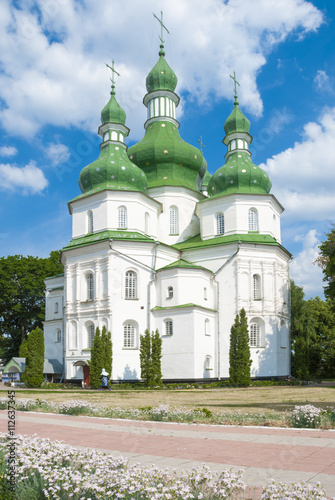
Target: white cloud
322, 81
54, 73
302, 174
8, 151
57, 153
303, 270
28, 179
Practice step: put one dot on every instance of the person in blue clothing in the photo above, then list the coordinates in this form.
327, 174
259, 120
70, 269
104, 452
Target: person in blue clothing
104, 380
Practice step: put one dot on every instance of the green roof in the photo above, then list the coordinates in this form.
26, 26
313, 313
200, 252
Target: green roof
183, 264
106, 235
112, 112
239, 175
236, 121
112, 170
197, 242
157, 308
166, 159
161, 77
56, 276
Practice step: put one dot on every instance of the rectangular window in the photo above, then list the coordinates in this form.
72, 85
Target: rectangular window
130, 285
173, 220
129, 336
254, 335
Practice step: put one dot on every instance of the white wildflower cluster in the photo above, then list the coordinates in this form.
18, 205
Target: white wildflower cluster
55, 471
74, 406
307, 416
295, 491
168, 413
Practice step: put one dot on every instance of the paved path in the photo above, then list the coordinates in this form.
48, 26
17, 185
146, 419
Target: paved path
264, 453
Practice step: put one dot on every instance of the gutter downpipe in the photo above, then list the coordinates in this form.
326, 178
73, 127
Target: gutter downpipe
152, 280
218, 304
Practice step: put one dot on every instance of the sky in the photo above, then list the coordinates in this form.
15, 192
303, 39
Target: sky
54, 84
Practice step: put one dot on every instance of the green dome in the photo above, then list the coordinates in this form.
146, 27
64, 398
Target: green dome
112, 112
239, 175
206, 180
161, 77
236, 121
112, 170
166, 159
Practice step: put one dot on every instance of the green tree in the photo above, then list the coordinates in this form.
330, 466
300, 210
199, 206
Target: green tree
107, 349
156, 356
239, 352
35, 358
97, 360
322, 339
23, 353
301, 332
326, 261
145, 358
22, 300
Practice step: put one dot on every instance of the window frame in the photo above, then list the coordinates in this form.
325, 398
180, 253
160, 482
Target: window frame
89, 287
90, 225
173, 220
170, 292
90, 335
168, 327
129, 336
252, 219
130, 285
256, 287
122, 217
255, 336
220, 229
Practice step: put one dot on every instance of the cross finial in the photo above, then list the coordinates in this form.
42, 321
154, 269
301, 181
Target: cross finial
113, 71
202, 145
162, 26
235, 82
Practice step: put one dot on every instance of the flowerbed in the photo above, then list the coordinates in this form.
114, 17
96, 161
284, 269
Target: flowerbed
55, 471
307, 416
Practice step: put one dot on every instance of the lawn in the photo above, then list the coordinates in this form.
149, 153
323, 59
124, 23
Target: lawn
254, 399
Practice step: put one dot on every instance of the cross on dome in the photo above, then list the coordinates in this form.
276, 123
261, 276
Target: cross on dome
235, 82
113, 71
202, 145
162, 25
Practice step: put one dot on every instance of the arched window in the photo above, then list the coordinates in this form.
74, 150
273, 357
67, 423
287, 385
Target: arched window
220, 223
90, 335
253, 219
122, 218
58, 335
173, 220
170, 292
90, 221
146, 223
255, 335
129, 335
130, 285
90, 286
169, 327
207, 330
56, 308
256, 284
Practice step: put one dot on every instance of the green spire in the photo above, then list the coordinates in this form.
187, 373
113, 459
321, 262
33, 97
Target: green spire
112, 112
236, 122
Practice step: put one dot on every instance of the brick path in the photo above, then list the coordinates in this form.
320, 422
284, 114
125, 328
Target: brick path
263, 453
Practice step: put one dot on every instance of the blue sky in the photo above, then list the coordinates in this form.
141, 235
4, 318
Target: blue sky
54, 83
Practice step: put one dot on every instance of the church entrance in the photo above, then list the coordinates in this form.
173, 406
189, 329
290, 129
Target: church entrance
87, 377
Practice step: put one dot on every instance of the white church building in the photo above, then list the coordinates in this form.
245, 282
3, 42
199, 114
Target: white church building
159, 243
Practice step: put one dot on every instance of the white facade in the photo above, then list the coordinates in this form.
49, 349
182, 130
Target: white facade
192, 307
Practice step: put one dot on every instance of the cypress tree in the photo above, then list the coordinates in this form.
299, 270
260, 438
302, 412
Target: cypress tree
107, 348
97, 360
145, 358
156, 355
23, 353
239, 352
35, 358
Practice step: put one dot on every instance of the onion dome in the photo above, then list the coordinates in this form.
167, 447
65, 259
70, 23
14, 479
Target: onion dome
165, 158
113, 112
113, 169
161, 76
238, 174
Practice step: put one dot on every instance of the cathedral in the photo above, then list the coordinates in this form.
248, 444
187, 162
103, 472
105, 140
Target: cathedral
159, 243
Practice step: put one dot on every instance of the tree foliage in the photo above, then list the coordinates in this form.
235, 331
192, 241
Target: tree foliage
312, 336
101, 356
239, 352
150, 358
326, 261
22, 299
34, 358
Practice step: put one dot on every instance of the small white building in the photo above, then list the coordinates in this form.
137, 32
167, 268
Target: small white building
158, 243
